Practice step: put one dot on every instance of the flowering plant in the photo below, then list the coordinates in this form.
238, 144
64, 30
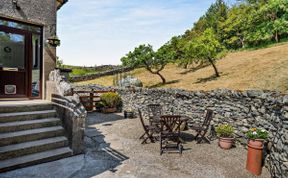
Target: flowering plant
255, 133
225, 130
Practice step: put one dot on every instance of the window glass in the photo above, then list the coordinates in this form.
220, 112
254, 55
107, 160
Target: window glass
36, 49
21, 26
12, 50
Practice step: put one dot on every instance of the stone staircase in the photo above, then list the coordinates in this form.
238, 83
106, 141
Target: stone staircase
30, 133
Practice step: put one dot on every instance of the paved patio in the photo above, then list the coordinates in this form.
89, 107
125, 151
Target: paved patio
113, 150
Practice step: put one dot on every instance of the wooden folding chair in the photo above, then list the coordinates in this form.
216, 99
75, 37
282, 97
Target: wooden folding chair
203, 129
170, 133
149, 130
155, 111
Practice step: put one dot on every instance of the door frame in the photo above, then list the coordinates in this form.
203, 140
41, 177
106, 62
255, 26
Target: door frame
28, 59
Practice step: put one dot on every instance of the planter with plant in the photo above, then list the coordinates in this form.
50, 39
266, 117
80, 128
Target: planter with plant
256, 138
225, 133
100, 105
128, 113
111, 101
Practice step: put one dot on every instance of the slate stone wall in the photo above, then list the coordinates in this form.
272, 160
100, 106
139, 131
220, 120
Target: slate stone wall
114, 71
243, 110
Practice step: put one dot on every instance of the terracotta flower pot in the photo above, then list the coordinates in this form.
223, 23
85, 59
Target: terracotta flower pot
254, 156
226, 143
256, 142
109, 110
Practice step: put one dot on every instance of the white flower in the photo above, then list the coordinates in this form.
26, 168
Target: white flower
263, 130
254, 133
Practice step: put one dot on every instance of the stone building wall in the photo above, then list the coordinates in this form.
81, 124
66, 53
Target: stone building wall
38, 12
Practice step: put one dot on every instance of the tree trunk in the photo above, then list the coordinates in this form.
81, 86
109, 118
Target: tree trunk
242, 42
276, 37
214, 66
162, 78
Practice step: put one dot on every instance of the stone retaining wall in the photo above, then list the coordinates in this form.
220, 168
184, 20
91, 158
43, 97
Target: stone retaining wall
243, 110
69, 109
100, 74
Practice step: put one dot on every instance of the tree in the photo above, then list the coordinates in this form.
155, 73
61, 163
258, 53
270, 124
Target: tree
269, 21
235, 27
59, 62
207, 48
216, 14
144, 55
275, 14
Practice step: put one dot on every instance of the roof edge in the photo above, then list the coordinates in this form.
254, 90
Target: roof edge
60, 3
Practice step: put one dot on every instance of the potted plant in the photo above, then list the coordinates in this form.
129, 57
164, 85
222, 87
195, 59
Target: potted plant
110, 100
256, 138
53, 41
100, 105
128, 113
225, 133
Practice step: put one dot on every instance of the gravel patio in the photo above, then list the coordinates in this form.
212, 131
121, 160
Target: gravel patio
112, 149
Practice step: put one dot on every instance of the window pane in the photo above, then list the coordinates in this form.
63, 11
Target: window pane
12, 50
21, 26
36, 46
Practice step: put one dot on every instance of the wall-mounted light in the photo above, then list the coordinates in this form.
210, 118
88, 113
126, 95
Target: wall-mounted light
53, 41
15, 2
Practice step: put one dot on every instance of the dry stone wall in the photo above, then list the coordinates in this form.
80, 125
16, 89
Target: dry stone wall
117, 70
243, 110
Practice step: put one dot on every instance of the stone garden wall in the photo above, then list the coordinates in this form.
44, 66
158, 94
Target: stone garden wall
243, 110
114, 71
69, 109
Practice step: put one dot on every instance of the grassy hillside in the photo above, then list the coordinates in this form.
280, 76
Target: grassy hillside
259, 69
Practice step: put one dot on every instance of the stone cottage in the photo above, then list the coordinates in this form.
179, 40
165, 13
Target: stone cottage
27, 46
34, 130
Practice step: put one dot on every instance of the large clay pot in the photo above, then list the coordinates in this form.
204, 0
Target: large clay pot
256, 142
226, 143
254, 156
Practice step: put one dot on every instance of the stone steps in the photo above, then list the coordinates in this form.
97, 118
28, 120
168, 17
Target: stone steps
35, 158
23, 116
16, 150
24, 106
30, 135
30, 124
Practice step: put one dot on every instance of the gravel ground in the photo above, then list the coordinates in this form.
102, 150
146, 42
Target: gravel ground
112, 149
113, 132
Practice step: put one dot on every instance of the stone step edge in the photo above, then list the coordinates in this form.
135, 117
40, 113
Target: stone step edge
14, 114
28, 122
35, 158
31, 144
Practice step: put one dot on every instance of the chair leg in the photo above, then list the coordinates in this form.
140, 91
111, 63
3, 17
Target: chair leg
161, 150
203, 137
141, 137
145, 140
196, 135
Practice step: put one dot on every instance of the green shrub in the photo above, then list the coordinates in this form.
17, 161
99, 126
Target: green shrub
225, 130
111, 99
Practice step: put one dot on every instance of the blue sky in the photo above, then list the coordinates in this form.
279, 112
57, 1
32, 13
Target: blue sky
96, 32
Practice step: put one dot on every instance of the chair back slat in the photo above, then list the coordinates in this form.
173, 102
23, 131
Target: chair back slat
169, 122
155, 110
208, 118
